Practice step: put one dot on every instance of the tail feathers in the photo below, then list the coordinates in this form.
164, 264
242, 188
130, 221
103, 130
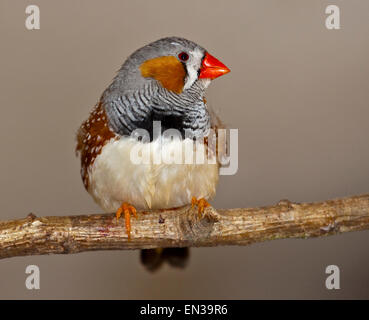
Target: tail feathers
153, 259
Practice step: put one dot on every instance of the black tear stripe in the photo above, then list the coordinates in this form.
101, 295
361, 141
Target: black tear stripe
202, 60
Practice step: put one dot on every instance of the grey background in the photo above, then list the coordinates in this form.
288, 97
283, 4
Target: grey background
297, 92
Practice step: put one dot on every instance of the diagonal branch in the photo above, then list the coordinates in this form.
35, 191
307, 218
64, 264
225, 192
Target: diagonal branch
182, 227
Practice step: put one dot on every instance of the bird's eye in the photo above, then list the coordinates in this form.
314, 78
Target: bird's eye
183, 56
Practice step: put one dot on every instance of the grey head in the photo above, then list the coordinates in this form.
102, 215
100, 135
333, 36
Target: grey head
129, 78
137, 97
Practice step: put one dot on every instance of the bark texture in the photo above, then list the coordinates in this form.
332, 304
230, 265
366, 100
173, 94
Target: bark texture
182, 227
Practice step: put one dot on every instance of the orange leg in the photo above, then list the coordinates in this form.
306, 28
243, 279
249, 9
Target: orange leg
201, 205
127, 210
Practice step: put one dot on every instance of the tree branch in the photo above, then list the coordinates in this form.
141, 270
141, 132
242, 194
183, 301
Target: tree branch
182, 227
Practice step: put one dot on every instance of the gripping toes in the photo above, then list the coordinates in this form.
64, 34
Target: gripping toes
127, 210
201, 205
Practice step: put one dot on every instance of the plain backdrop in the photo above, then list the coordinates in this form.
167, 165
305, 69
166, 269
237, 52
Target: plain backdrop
298, 93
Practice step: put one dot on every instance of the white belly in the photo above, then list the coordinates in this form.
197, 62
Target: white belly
114, 178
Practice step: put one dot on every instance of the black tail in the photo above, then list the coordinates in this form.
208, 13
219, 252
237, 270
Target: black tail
152, 259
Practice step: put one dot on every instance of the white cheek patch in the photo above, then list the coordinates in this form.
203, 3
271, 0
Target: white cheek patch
193, 65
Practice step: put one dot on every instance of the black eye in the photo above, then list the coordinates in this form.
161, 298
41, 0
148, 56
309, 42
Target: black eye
183, 56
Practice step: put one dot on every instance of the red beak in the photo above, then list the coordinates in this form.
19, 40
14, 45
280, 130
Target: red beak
212, 68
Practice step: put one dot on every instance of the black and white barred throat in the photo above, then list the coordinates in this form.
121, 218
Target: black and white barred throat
185, 112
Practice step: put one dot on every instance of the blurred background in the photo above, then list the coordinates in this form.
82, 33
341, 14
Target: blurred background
298, 93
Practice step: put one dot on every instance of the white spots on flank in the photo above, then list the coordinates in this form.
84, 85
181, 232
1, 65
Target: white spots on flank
92, 136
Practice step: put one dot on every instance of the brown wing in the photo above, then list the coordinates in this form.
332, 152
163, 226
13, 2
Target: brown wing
93, 134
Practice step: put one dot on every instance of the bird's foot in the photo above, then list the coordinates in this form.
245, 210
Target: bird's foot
127, 210
201, 205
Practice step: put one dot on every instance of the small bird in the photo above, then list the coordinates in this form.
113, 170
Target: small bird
163, 81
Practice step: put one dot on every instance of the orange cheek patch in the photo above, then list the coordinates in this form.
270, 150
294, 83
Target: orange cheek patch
167, 70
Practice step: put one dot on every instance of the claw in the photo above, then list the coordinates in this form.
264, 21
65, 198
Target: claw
127, 210
201, 205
